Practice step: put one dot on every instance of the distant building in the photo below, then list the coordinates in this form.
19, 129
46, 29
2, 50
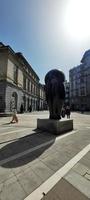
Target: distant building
79, 78
18, 80
67, 93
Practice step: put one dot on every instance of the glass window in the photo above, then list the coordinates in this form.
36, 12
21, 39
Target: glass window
83, 91
24, 82
28, 85
15, 78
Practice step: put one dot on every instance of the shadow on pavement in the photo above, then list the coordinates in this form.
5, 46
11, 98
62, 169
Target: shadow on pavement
7, 123
25, 144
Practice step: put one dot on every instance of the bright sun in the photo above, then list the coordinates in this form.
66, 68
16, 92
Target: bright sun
77, 19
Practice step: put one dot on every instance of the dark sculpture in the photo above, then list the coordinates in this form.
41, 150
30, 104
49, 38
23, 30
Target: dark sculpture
55, 92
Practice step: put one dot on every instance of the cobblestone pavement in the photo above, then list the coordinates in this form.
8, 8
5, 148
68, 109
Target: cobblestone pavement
38, 165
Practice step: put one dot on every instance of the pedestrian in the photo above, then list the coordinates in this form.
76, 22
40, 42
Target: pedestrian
21, 108
30, 108
14, 112
68, 111
63, 112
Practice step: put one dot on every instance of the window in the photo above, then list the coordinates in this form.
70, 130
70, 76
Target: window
15, 74
28, 85
24, 82
31, 87
83, 91
82, 79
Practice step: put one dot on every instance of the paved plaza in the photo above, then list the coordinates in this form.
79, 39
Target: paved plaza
36, 165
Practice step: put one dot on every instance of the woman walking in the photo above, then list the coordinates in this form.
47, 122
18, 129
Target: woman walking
14, 112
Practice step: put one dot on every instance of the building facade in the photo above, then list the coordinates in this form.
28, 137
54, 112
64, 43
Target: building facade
42, 99
18, 81
80, 84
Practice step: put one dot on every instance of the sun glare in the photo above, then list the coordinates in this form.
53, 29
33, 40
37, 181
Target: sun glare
77, 19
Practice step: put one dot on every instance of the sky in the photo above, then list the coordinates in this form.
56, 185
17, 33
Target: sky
51, 34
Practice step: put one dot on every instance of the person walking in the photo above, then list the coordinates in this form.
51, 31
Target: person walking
21, 109
30, 108
68, 112
14, 112
63, 112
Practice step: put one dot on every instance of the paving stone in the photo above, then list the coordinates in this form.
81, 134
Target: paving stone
20, 165
52, 162
5, 173
81, 183
48, 152
62, 157
64, 191
42, 170
18, 170
11, 190
80, 169
28, 180
86, 160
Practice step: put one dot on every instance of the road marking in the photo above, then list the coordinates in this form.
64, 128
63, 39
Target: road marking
34, 148
15, 131
51, 182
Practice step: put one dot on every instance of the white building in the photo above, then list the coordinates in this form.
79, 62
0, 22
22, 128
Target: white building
18, 80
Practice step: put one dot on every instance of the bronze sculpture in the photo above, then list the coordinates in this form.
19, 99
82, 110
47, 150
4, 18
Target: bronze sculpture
55, 92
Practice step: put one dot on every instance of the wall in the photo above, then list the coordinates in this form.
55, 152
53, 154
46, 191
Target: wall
2, 96
20, 78
10, 70
9, 91
3, 65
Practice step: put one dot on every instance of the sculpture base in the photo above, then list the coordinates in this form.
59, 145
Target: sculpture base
55, 126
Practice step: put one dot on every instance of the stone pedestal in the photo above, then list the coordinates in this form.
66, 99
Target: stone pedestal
56, 127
